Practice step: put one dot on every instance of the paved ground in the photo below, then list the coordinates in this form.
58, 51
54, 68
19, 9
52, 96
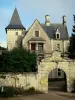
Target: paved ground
52, 95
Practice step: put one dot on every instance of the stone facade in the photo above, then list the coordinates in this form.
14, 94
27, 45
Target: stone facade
13, 37
49, 41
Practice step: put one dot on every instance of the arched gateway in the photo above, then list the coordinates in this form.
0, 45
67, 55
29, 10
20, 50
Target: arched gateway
53, 62
57, 80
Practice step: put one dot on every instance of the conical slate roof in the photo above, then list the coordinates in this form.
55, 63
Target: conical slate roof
15, 22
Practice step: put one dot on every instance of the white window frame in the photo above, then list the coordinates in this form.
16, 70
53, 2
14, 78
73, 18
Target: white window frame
40, 45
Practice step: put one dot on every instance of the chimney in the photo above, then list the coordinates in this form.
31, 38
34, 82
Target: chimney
47, 20
64, 20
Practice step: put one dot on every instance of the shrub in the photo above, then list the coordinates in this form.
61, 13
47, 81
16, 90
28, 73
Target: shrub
10, 91
30, 90
18, 60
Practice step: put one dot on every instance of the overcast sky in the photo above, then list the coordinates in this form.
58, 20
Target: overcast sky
29, 10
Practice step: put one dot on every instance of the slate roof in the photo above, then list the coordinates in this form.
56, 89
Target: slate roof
51, 30
15, 22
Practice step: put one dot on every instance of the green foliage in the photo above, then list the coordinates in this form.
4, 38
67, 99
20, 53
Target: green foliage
71, 48
74, 24
10, 91
31, 90
18, 60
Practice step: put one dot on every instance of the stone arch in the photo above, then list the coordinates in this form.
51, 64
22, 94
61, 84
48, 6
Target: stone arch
44, 77
50, 63
57, 80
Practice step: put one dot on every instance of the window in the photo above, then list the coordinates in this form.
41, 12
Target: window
58, 47
36, 33
57, 36
40, 47
33, 46
16, 33
59, 72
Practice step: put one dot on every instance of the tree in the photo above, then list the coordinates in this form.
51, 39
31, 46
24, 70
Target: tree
18, 60
71, 48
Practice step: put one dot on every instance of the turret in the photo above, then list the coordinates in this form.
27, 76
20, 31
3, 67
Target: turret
14, 31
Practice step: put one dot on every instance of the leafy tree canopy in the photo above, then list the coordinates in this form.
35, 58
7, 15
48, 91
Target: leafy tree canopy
18, 60
71, 48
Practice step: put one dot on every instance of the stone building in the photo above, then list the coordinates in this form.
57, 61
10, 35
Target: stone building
50, 41
43, 38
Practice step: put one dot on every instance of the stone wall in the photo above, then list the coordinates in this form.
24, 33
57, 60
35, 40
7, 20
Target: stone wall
24, 80
39, 80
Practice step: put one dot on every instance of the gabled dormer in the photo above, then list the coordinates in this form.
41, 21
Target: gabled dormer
57, 34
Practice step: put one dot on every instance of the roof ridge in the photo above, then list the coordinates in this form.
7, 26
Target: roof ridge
52, 23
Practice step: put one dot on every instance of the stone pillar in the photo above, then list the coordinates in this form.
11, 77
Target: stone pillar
29, 46
52, 44
36, 46
69, 85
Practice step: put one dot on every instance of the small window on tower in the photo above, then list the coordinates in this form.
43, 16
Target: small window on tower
36, 33
16, 33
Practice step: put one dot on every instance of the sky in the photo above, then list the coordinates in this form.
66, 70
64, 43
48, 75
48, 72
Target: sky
29, 10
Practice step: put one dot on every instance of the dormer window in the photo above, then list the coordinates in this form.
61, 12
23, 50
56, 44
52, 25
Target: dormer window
36, 33
57, 34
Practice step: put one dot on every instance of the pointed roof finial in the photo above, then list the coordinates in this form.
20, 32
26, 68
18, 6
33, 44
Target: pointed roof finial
15, 22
